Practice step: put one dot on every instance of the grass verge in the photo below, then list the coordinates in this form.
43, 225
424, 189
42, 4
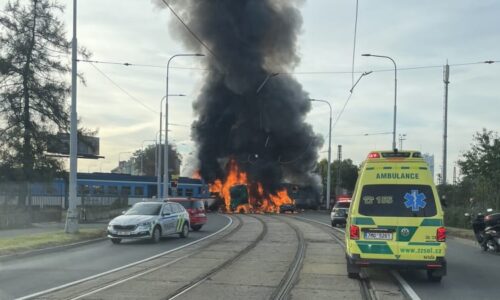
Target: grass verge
29, 242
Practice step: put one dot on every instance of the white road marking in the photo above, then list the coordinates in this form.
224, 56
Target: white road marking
407, 289
123, 267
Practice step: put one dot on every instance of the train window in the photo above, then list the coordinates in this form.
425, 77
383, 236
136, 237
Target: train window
170, 191
83, 189
139, 191
200, 191
125, 191
113, 190
97, 190
189, 192
180, 192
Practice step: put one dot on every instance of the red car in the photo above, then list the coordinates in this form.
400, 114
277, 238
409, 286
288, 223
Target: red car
196, 210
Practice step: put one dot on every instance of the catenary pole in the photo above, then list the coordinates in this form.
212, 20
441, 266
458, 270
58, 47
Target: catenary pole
72, 213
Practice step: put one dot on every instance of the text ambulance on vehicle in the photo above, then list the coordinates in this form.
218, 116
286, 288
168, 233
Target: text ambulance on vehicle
396, 218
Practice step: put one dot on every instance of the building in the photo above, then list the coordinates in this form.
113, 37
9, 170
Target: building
429, 158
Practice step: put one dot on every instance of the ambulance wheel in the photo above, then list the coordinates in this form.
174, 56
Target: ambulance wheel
185, 231
116, 241
432, 276
352, 269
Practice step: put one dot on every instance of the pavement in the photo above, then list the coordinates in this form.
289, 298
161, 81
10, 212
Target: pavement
46, 227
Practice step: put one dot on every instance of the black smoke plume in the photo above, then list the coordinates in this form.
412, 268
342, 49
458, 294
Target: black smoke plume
264, 132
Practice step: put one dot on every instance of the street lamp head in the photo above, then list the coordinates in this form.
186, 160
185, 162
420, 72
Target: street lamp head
367, 73
199, 54
366, 54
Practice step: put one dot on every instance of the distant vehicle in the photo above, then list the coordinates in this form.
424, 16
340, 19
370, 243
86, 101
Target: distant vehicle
396, 218
150, 220
196, 209
239, 196
487, 230
287, 207
339, 213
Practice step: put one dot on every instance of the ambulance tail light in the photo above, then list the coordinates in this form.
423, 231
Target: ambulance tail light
441, 234
354, 232
374, 155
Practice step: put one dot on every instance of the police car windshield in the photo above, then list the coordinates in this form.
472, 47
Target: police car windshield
145, 209
397, 201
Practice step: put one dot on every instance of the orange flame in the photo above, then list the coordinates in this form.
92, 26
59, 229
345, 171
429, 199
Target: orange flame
196, 175
258, 201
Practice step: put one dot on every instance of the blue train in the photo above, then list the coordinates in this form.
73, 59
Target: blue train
111, 185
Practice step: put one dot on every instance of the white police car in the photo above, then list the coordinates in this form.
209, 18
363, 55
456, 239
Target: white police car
150, 220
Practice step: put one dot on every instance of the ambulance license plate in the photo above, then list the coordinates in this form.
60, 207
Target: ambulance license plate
378, 235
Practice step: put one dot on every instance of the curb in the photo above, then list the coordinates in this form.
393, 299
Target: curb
13, 256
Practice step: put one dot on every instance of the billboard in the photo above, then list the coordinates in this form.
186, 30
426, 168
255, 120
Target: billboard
88, 146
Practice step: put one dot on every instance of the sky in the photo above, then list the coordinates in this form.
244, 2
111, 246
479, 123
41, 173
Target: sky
414, 33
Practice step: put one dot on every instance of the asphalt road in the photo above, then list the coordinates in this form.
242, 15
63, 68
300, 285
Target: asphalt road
472, 273
21, 277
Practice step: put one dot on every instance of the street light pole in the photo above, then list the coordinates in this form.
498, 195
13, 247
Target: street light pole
395, 95
158, 168
328, 183
165, 154
72, 214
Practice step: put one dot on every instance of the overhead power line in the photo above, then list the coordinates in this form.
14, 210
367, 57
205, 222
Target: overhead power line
189, 29
123, 90
126, 64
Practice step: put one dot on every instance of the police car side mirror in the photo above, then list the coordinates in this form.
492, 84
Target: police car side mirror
123, 212
165, 214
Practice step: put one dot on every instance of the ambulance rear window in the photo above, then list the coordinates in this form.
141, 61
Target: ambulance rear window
397, 200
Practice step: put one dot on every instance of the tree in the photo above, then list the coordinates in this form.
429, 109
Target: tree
348, 174
480, 167
33, 87
148, 158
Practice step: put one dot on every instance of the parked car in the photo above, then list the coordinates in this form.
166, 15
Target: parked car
196, 209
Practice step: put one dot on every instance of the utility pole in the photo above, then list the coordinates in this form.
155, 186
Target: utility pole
402, 137
72, 213
339, 158
454, 175
446, 80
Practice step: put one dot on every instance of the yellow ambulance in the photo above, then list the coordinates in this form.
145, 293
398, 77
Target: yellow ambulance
396, 218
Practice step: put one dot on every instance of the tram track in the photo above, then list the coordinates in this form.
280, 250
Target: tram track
133, 275
193, 284
288, 281
366, 288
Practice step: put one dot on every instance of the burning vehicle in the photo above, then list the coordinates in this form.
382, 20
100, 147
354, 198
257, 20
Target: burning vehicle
250, 127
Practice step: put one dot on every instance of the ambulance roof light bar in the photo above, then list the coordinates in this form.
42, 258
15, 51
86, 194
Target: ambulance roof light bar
374, 155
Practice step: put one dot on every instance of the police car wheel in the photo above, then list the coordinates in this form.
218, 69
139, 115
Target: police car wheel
433, 277
155, 237
116, 241
185, 231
